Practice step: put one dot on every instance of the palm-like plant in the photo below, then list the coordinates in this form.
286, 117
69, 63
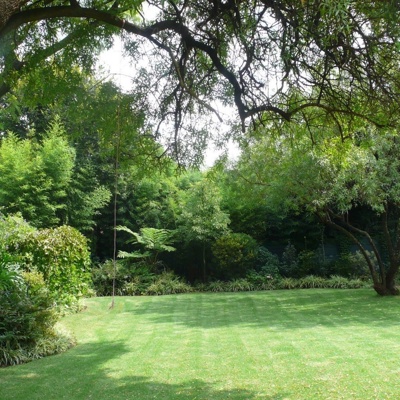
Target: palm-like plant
153, 242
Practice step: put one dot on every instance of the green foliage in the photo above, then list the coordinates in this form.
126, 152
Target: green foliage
153, 241
200, 217
312, 282
27, 317
34, 175
262, 280
167, 283
85, 199
334, 179
338, 282
258, 281
130, 278
288, 283
239, 285
268, 263
148, 201
353, 265
235, 254
215, 286
9, 271
289, 266
62, 256
13, 231
308, 263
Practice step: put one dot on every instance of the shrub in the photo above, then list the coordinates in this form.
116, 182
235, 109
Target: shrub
216, 286
102, 277
353, 265
338, 282
289, 265
239, 285
27, 319
235, 254
358, 283
9, 271
168, 283
262, 280
308, 264
13, 232
312, 281
130, 278
133, 288
62, 256
201, 287
288, 283
268, 263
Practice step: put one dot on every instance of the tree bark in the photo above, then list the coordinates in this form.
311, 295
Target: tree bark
384, 283
8, 8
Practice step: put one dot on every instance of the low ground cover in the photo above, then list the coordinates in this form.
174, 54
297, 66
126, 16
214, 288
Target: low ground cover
299, 344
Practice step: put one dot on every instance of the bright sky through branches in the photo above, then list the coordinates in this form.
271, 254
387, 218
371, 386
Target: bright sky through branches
114, 65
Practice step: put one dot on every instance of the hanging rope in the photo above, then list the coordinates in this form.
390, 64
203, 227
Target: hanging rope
116, 178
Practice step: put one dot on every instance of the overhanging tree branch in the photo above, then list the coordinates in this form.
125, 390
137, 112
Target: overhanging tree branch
310, 51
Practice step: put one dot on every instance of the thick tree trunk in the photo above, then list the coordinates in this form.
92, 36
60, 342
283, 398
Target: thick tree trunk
384, 283
388, 287
8, 8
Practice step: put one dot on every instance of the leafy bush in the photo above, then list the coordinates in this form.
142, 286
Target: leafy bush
102, 277
13, 232
130, 278
235, 254
153, 241
215, 286
61, 255
268, 263
27, 318
288, 283
262, 280
357, 283
308, 264
337, 282
312, 281
34, 175
353, 265
289, 265
239, 285
168, 283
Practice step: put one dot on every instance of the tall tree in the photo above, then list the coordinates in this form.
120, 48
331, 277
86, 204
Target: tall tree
201, 218
34, 176
331, 179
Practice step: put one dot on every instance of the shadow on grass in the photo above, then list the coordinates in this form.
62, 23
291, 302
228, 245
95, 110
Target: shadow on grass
281, 309
85, 373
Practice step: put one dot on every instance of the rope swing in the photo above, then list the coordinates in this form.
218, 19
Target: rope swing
117, 148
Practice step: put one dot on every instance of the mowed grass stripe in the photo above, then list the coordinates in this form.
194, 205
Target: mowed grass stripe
303, 344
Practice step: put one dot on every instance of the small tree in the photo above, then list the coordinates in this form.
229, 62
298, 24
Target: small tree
153, 241
201, 219
236, 253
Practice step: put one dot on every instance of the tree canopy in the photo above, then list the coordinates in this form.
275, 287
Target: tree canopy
331, 179
267, 58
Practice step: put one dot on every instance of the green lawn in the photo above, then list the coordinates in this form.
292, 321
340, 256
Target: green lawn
300, 344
